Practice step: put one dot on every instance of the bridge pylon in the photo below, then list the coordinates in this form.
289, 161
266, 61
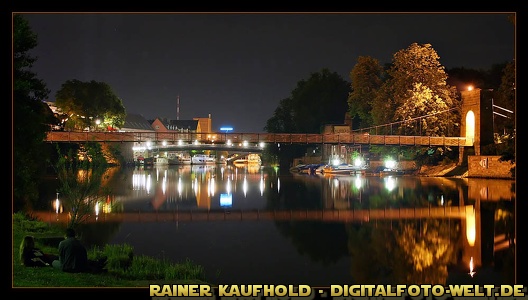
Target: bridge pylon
476, 121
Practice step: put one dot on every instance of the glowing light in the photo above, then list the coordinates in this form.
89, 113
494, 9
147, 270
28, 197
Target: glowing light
470, 225
180, 185
358, 182
470, 88
245, 143
228, 185
164, 143
57, 204
147, 184
229, 143
471, 267
358, 162
180, 142
390, 183
245, 186
390, 163
262, 144
261, 185
336, 162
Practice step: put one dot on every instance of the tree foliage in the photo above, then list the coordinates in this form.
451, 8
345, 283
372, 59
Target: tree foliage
366, 78
30, 117
505, 98
416, 87
282, 120
86, 102
80, 173
316, 101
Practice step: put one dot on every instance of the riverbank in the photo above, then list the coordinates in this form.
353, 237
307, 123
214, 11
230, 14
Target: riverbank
447, 170
124, 269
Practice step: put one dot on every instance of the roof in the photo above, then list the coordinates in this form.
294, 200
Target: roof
136, 121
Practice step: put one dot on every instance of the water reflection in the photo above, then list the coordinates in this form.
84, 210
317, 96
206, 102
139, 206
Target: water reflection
324, 230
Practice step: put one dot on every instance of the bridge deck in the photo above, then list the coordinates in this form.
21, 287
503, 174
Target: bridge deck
288, 138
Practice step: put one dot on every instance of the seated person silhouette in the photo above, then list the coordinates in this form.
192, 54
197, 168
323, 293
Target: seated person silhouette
31, 256
73, 257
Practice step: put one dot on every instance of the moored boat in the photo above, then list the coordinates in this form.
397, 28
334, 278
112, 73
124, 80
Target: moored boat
343, 169
249, 159
202, 159
180, 160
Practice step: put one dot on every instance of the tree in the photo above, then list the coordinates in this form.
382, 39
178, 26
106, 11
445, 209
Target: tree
281, 121
29, 115
366, 78
320, 100
80, 173
505, 98
416, 93
87, 102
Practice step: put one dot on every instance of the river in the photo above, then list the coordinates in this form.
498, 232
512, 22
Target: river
263, 225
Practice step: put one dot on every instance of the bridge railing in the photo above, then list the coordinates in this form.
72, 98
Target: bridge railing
235, 138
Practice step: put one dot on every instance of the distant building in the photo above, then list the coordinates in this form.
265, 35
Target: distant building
205, 124
183, 126
136, 123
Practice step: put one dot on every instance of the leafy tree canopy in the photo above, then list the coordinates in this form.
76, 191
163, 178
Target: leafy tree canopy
30, 116
416, 94
366, 77
85, 103
319, 100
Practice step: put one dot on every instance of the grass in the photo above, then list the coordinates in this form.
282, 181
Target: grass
124, 268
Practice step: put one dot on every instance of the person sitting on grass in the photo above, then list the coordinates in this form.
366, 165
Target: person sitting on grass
73, 257
31, 256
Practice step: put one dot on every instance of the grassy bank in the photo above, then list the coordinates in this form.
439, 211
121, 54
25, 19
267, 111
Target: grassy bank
124, 268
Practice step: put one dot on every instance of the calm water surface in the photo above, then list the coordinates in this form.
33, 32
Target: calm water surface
261, 225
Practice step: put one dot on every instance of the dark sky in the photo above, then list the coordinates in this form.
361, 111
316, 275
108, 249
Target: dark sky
238, 66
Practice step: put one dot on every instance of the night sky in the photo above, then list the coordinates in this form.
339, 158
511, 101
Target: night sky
238, 66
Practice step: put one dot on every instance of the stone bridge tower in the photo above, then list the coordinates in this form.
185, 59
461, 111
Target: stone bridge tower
476, 121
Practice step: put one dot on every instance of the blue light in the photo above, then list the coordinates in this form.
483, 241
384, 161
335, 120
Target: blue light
226, 129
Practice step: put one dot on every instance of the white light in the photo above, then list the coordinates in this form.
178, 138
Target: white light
180, 142
164, 143
390, 163
245, 186
336, 162
196, 142
262, 144
358, 162
245, 143
229, 143
390, 183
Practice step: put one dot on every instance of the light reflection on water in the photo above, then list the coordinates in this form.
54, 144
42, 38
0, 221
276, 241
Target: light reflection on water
316, 252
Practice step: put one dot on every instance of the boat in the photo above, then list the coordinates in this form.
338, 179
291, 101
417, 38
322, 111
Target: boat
249, 159
180, 160
343, 169
390, 172
312, 169
157, 161
297, 168
202, 159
